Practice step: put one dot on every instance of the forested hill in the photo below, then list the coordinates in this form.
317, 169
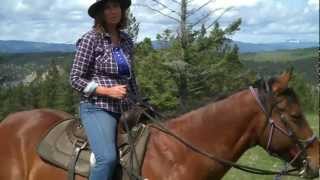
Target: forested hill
34, 80
32, 47
304, 61
16, 67
267, 47
14, 46
23, 67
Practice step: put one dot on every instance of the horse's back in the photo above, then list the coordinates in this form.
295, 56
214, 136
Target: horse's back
30, 123
20, 134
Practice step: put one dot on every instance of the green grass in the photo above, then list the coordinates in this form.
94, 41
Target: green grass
257, 157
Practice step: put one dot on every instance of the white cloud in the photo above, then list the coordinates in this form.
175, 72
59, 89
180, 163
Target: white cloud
314, 4
237, 3
65, 21
35, 20
227, 3
22, 7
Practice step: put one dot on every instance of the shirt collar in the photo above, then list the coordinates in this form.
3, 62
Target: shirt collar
123, 35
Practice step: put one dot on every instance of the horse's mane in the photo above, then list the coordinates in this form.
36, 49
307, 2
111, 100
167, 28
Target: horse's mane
261, 84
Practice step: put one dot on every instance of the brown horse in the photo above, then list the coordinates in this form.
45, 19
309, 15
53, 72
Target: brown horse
269, 116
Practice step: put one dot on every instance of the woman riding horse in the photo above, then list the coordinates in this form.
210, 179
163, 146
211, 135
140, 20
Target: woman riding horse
268, 115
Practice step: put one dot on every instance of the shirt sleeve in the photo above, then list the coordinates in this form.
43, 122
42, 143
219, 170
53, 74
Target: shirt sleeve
80, 75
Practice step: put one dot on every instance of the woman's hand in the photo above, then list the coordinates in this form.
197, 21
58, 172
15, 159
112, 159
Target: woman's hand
117, 91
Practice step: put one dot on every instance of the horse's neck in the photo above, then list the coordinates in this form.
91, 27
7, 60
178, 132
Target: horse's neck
225, 126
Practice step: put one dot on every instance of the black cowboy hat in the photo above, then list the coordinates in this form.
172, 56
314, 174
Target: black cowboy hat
98, 5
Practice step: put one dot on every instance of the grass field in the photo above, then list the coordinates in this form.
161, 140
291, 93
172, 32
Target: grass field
257, 157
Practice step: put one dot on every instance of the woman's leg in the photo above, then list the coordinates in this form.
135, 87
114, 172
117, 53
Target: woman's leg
100, 128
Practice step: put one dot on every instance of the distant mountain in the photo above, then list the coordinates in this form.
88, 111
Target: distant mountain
251, 47
14, 46
245, 47
33, 47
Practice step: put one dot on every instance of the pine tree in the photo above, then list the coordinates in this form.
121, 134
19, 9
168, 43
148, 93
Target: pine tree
133, 26
183, 52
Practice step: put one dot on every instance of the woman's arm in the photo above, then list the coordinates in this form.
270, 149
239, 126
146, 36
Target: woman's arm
80, 76
118, 91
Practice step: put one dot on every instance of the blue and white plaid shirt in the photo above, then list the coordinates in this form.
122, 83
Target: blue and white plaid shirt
94, 63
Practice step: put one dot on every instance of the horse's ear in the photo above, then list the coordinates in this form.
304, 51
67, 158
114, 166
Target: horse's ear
281, 82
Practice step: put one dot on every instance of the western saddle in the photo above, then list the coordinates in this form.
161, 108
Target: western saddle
66, 146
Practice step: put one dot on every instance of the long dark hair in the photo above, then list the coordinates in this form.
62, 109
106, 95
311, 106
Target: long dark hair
100, 23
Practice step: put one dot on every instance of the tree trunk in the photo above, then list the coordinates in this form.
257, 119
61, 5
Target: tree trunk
183, 84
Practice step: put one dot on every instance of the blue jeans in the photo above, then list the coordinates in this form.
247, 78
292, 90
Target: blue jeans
101, 128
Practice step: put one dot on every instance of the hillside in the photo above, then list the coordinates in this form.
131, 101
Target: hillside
37, 47
267, 47
24, 67
32, 47
304, 61
281, 55
35, 58
17, 68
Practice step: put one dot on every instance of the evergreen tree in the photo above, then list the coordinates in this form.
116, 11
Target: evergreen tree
133, 26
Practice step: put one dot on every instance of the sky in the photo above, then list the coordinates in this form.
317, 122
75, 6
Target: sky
64, 21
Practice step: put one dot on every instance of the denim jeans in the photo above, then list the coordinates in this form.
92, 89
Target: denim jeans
101, 128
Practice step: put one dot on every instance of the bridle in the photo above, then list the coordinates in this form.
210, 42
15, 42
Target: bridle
301, 144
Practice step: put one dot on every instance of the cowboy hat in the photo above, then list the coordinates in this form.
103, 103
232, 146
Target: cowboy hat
98, 5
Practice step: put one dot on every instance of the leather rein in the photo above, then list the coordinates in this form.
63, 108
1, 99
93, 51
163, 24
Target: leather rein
302, 144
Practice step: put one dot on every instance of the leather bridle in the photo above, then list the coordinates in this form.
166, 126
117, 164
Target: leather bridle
301, 144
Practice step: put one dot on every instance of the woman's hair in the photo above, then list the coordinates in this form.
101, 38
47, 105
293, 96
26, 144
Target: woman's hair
100, 23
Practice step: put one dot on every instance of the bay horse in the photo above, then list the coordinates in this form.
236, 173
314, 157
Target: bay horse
268, 115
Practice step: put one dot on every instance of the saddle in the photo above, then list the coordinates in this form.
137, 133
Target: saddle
66, 146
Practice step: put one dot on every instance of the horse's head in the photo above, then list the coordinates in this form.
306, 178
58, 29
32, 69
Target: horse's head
287, 134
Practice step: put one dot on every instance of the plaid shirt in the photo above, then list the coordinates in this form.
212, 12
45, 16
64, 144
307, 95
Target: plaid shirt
94, 62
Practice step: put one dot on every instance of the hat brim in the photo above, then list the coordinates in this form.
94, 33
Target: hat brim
98, 6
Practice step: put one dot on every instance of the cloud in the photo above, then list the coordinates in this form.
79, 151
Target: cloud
49, 21
65, 21
314, 4
227, 3
269, 21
